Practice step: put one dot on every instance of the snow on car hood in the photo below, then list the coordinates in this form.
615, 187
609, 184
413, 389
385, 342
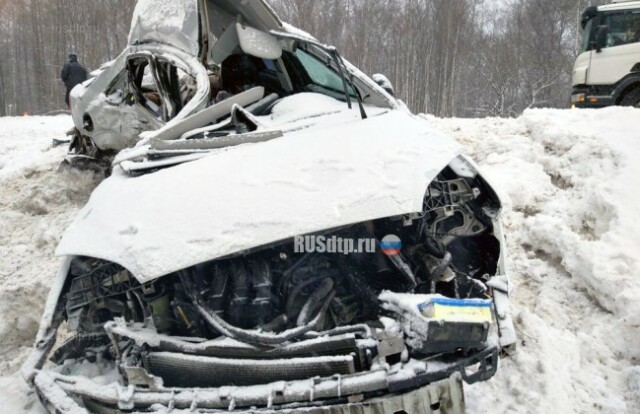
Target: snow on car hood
330, 169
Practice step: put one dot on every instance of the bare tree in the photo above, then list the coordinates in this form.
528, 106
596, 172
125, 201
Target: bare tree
446, 57
37, 36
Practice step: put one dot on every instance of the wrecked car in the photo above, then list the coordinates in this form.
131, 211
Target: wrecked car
299, 243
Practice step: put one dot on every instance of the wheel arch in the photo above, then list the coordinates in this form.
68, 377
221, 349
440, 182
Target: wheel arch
628, 84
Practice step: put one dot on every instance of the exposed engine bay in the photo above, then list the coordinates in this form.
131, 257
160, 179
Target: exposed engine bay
278, 314
277, 289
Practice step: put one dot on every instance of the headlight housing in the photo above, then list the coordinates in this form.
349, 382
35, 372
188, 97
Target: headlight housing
578, 98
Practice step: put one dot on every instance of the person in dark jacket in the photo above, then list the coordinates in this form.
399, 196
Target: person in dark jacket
73, 73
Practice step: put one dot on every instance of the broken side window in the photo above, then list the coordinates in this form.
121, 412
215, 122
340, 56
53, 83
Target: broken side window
144, 87
160, 86
115, 92
169, 78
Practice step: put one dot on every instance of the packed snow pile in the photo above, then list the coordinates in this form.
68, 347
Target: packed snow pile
570, 183
36, 204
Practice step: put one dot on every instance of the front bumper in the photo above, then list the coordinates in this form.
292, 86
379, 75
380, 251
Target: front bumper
423, 388
586, 97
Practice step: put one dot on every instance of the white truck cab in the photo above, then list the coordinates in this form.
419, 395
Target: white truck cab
607, 71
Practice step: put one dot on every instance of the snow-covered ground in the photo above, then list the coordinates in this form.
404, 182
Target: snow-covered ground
36, 204
571, 184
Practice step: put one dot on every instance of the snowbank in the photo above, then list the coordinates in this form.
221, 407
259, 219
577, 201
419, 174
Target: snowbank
570, 184
36, 204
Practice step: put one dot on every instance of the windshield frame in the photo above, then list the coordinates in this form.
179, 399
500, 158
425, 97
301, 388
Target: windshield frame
587, 36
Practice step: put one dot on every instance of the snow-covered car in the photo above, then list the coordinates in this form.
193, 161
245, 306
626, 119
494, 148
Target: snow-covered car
302, 243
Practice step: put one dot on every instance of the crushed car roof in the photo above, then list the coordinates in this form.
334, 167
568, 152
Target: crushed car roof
179, 23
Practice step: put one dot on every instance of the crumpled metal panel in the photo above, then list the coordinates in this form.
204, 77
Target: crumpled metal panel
169, 22
441, 397
176, 23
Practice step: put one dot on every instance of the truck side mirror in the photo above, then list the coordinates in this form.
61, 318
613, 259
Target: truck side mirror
601, 37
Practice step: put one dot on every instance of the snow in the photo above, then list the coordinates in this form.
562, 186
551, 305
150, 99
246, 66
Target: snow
297, 32
569, 181
343, 171
36, 204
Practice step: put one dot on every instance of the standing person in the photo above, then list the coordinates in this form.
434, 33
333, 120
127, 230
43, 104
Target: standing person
73, 73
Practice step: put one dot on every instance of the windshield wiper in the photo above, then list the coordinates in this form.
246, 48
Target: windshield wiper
332, 51
341, 66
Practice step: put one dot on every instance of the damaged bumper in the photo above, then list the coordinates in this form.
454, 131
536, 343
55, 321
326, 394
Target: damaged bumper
352, 369
416, 387
441, 396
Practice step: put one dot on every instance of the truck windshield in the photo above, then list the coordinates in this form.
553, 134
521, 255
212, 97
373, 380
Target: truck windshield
622, 28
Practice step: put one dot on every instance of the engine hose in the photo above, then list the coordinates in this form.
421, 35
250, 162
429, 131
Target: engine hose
295, 294
433, 246
315, 301
261, 338
404, 268
441, 267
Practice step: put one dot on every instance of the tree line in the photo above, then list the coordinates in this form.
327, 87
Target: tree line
37, 36
464, 58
